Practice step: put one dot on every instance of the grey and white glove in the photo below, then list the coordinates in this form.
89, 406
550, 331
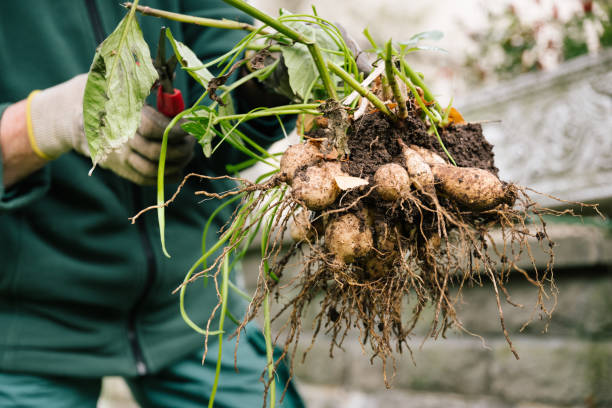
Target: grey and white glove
56, 116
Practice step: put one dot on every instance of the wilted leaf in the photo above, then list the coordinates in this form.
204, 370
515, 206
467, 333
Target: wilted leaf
188, 59
348, 182
120, 78
300, 65
455, 117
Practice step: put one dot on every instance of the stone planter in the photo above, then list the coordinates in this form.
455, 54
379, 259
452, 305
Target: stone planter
555, 133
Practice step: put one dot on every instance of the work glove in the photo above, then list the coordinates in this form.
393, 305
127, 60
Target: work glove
56, 118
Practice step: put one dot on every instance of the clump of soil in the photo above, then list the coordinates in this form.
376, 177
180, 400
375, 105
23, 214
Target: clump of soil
372, 142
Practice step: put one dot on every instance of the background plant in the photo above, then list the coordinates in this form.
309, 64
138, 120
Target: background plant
511, 44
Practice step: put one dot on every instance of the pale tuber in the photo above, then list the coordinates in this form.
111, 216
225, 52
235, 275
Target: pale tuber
347, 238
392, 181
297, 157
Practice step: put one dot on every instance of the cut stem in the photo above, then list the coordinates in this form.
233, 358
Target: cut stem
397, 94
361, 90
184, 18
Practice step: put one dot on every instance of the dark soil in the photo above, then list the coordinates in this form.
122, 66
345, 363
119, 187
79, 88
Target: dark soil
468, 146
373, 142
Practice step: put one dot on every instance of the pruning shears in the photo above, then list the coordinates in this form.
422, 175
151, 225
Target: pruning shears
169, 99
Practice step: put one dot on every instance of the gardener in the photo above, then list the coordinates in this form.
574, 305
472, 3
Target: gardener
83, 293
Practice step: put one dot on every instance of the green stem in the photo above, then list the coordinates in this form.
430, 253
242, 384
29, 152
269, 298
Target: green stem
313, 47
264, 113
416, 95
184, 18
435, 129
232, 317
238, 146
369, 37
212, 217
447, 112
397, 94
239, 291
315, 52
259, 47
424, 108
417, 80
269, 350
269, 20
361, 90
201, 260
265, 237
160, 180
221, 320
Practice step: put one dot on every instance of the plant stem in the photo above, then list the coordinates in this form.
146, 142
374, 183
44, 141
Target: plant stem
421, 104
435, 129
313, 47
416, 79
184, 18
416, 95
269, 20
315, 52
397, 94
221, 320
258, 47
240, 291
265, 237
201, 260
269, 350
160, 180
260, 114
361, 90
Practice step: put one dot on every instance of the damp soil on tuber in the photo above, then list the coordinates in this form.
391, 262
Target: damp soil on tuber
373, 142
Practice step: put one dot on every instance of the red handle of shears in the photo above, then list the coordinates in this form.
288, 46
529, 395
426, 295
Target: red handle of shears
170, 104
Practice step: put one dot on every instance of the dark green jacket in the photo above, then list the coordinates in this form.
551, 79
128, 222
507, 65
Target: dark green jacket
82, 291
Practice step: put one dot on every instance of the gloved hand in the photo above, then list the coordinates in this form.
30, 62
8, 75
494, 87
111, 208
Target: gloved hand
363, 60
56, 116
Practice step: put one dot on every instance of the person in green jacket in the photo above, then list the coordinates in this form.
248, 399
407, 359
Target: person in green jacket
83, 293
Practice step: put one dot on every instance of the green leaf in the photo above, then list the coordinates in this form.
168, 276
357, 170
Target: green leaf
300, 65
405, 50
202, 128
434, 35
188, 59
120, 78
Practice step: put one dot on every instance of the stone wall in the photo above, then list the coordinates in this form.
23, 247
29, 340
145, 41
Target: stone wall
565, 362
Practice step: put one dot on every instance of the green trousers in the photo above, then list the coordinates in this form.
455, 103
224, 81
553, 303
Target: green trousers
185, 384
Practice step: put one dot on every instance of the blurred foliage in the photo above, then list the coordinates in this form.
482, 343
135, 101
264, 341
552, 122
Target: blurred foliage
509, 45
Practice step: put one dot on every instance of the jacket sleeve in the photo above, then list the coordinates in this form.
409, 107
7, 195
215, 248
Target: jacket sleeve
209, 43
30, 189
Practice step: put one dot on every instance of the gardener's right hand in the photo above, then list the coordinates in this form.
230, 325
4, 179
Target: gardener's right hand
57, 126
